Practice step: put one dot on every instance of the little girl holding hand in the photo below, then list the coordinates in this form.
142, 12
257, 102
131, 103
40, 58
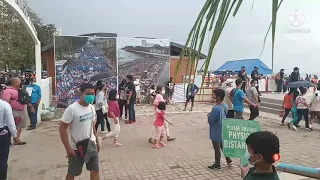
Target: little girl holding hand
159, 125
113, 118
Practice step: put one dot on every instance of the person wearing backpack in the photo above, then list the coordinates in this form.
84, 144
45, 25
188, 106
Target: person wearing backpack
34, 91
238, 100
18, 100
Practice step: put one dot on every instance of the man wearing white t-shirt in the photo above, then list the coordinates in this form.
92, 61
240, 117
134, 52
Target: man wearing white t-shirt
82, 146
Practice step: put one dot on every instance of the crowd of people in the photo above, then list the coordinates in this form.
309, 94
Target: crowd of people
79, 114
88, 61
147, 70
100, 105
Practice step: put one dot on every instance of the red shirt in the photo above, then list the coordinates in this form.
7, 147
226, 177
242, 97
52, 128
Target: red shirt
113, 107
160, 118
287, 101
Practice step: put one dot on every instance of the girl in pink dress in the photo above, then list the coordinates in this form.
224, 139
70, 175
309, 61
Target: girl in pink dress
159, 125
158, 99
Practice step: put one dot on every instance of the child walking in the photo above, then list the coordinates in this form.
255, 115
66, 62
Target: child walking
113, 118
287, 105
159, 125
215, 118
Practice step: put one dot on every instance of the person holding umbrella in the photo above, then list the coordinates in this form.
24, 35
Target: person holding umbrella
302, 109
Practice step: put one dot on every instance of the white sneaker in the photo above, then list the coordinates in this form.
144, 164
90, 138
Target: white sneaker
104, 132
294, 127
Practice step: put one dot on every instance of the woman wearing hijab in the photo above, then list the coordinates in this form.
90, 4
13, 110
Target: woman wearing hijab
7, 129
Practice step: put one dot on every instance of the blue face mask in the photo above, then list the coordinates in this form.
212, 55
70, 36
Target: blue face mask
248, 156
89, 99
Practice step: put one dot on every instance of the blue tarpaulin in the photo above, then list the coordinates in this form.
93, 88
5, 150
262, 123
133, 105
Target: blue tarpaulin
236, 65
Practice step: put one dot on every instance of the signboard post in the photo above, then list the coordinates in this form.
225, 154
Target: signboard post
234, 135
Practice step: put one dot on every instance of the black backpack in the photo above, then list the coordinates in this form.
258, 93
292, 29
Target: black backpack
23, 97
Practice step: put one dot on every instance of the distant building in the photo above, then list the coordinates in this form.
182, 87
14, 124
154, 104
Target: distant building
145, 44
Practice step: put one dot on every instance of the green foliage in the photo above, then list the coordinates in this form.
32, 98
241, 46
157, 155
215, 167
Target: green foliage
211, 21
16, 45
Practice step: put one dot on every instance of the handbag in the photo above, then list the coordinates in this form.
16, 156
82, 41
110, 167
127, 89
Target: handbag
281, 114
86, 148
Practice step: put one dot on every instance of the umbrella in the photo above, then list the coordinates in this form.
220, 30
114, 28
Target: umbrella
103, 75
298, 84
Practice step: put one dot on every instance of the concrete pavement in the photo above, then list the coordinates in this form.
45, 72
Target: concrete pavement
43, 157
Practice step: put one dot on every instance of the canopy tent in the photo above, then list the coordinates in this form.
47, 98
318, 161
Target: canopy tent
235, 66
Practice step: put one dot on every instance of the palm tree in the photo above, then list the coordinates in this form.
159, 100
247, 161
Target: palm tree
211, 21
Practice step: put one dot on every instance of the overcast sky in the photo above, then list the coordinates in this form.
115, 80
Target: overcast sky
172, 19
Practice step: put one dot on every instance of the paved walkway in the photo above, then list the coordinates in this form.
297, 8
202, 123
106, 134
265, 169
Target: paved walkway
43, 158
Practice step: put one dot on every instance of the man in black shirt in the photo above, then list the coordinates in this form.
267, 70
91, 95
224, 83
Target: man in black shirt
2, 78
243, 76
131, 100
256, 77
279, 80
295, 75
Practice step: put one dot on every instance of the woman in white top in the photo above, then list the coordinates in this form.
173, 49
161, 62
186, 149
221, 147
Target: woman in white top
100, 101
302, 109
7, 129
159, 98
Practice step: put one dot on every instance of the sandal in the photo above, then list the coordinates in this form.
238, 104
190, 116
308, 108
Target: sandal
156, 146
161, 144
117, 145
19, 143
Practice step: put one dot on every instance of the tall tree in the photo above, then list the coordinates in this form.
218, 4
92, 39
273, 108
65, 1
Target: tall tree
211, 21
16, 45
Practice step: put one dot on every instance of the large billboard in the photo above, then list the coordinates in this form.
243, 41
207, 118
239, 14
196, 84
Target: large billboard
81, 59
147, 60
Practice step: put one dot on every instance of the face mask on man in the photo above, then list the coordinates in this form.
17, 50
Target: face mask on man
163, 91
89, 99
248, 156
